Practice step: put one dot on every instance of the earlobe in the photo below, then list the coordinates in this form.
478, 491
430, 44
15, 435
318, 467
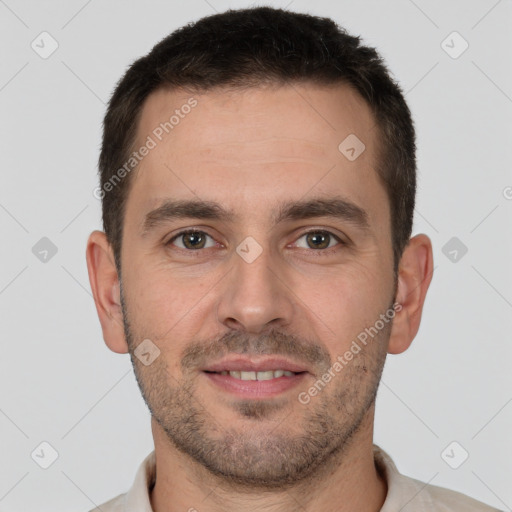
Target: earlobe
105, 288
414, 277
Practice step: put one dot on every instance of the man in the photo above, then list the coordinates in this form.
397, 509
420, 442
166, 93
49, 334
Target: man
258, 185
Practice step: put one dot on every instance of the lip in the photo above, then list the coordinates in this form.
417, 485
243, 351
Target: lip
262, 364
254, 389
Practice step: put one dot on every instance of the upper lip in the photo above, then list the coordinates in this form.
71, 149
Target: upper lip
240, 363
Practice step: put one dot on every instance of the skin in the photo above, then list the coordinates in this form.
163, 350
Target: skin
251, 150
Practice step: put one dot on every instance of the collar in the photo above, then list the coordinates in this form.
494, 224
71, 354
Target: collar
404, 493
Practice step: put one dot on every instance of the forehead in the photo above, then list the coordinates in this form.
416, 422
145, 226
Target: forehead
264, 142
317, 117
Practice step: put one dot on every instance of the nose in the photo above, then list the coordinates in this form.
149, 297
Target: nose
255, 296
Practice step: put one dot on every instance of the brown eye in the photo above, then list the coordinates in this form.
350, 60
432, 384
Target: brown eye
319, 240
191, 240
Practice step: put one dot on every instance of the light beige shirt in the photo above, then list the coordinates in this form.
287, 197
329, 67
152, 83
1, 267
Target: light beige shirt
405, 494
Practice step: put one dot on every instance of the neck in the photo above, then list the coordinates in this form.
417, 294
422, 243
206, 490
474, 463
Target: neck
348, 481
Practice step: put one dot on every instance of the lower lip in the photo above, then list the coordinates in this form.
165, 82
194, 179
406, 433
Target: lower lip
255, 388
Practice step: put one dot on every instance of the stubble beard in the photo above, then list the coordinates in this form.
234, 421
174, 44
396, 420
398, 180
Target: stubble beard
264, 455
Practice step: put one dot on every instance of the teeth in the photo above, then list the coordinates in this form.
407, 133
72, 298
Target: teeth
267, 375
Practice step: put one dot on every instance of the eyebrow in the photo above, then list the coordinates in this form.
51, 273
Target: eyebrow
334, 207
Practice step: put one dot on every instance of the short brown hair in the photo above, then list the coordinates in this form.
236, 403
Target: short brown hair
247, 48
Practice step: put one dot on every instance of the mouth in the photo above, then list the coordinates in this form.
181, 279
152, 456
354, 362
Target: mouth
259, 376
256, 379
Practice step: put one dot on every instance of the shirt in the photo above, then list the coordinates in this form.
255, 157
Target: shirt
404, 494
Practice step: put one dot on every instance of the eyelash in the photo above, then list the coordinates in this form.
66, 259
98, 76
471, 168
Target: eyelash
319, 252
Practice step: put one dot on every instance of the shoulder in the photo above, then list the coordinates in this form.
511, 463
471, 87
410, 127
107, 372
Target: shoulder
447, 500
410, 495
114, 505
137, 497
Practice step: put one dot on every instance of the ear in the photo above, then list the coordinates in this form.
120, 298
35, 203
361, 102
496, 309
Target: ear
106, 292
414, 276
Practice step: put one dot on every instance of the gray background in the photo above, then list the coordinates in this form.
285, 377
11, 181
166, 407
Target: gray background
59, 382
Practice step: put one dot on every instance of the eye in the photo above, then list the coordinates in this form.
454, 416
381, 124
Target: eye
191, 239
319, 239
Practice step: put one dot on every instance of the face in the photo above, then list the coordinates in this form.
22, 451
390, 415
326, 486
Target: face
252, 243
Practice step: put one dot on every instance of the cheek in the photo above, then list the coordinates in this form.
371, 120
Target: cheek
348, 300
164, 306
